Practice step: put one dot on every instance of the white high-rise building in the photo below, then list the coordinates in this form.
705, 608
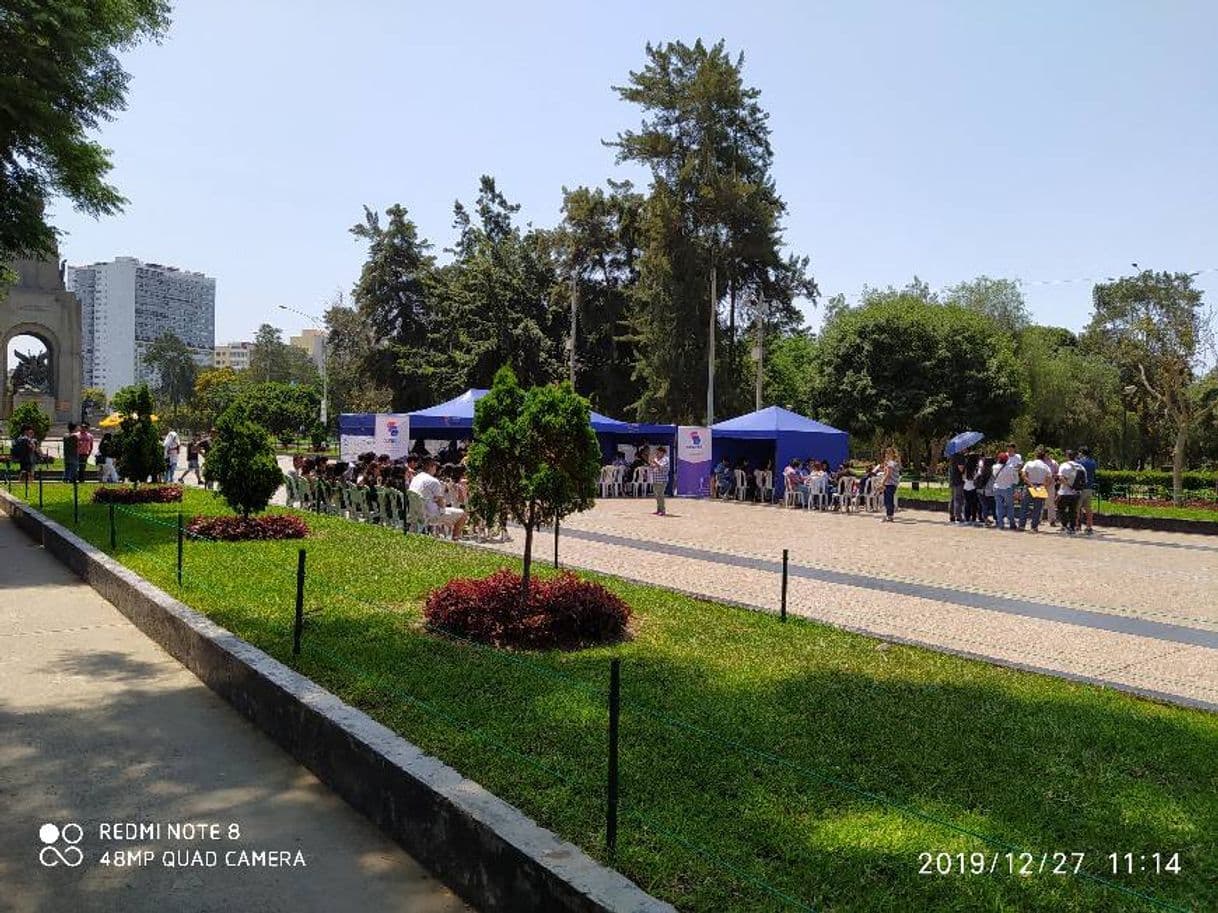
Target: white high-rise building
127, 305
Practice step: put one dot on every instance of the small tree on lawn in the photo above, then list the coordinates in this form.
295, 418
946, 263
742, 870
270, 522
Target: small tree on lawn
137, 444
29, 415
534, 457
243, 462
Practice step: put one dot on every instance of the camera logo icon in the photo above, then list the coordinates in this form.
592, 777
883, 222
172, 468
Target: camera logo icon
52, 854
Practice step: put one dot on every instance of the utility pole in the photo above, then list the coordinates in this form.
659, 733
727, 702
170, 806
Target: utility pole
574, 310
710, 348
760, 345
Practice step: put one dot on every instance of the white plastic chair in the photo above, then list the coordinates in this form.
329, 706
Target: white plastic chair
608, 481
792, 494
765, 484
642, 482
818, 493
846, 494
742, 484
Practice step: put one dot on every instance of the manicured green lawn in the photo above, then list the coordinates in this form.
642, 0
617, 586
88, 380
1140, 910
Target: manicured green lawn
938, 493
795, 756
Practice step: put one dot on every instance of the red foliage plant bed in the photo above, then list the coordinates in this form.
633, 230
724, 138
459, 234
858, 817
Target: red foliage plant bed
145, 494
563, 612
1194, 503
233, 529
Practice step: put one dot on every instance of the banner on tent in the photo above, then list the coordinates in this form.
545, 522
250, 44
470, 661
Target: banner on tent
693, 461
392, 435
380, 433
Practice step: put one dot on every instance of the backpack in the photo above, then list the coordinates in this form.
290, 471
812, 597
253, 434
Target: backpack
21, 449
1078, 475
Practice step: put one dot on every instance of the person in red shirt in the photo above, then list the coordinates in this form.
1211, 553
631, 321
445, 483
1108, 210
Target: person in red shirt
84, 449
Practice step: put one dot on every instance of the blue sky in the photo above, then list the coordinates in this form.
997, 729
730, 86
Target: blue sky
1037, 140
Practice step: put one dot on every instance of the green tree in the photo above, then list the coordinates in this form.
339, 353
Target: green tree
495, 304
272, 359
534, 456
1152, 326
29, 415
351, 344
596, 261
137, 444
60, 77
393, 298
242, 462
94, 399
902, 367
712, 227
175, 369
788, 370
284, 410
998, 299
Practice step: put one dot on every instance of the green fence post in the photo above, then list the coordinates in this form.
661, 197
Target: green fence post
113, 530
179, 549
299, 625
75, 505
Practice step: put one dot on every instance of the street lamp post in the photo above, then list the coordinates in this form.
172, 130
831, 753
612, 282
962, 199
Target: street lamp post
324, 414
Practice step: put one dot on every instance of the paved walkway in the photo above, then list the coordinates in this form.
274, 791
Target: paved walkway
1131, 608
100, 725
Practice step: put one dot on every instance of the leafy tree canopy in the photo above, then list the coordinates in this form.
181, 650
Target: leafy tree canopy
140, 456
242, 462
61, 78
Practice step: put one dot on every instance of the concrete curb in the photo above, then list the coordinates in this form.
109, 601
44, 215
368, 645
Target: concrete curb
482, 847
1114, 521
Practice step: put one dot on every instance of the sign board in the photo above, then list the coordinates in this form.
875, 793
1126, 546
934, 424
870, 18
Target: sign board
392, 435
693, 461
387, 433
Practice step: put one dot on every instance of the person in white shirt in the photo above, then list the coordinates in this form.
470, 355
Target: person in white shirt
172, 447
1071, 476
431, 490
1006, 477
1051, 500
659, 477
1037, 476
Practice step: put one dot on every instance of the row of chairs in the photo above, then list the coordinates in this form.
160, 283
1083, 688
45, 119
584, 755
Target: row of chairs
389, 507
849, 494
763, 481
613, 482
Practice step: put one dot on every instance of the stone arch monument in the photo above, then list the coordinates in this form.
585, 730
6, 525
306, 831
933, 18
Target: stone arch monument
38, 305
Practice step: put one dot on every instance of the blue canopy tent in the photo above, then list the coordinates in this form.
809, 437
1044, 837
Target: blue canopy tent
780, 435
454, 419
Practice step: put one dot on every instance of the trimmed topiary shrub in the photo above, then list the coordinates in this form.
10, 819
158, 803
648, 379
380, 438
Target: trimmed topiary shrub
564, 612
150, 494
234, 529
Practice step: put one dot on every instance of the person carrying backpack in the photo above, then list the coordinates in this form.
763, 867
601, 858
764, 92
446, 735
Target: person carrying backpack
1071, 476
25, 454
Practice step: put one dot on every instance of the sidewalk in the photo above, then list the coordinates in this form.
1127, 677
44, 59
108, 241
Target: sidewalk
100, 725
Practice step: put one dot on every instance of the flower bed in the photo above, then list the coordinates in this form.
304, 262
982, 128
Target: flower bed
146, 494
1193, 503
564, 612
235, 529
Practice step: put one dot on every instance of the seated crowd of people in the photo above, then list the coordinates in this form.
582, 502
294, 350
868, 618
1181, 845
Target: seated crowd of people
443, 488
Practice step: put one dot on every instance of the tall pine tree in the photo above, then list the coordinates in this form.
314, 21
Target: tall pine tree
712, 220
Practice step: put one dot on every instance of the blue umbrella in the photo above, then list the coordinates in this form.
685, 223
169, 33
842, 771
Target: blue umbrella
962, 441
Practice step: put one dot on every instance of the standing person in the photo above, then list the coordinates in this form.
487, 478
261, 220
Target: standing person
192, 462
1071, 476
659, 478
71, 442
955, 479
1006, 475
985, 483
26, 454
1036, 475
1051, 500
891, 478
1084, 495
106, 457
84, 449
172, 447
972, 497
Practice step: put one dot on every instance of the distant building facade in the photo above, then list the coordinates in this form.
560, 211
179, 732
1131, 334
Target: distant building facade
126, 305
235, 355
313, 342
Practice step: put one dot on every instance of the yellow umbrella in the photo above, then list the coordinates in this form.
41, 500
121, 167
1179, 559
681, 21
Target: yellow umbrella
114, 419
